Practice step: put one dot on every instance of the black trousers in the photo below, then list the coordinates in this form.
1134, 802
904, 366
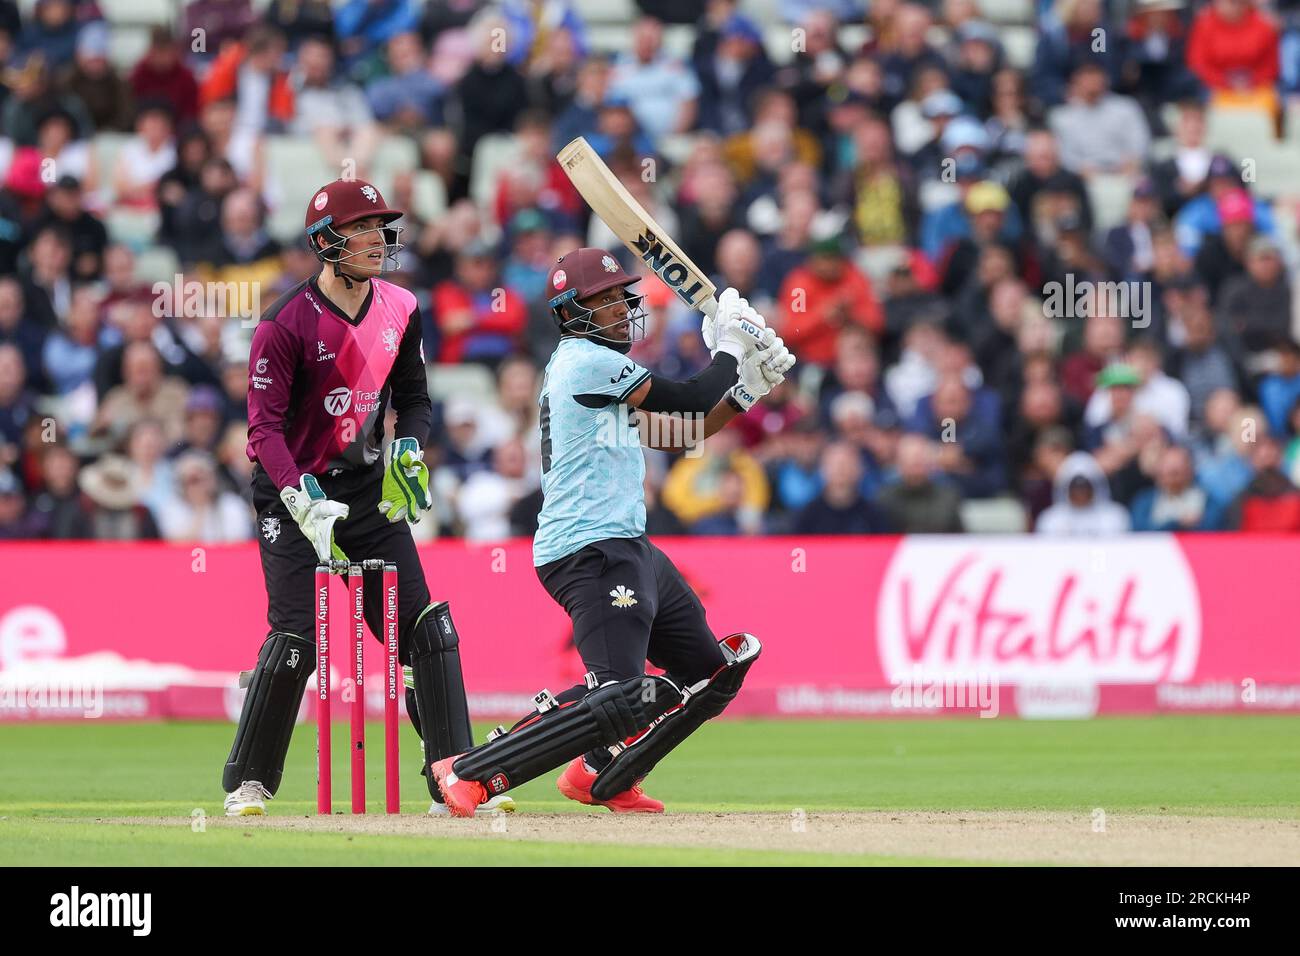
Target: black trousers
630, 604
289, 561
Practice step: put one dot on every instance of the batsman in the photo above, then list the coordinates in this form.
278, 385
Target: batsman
627, 601
327, 358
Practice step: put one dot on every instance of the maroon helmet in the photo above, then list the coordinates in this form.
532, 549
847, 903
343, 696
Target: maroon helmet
585, 272
345, 201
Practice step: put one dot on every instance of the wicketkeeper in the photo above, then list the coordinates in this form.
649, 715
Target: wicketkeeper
327, 358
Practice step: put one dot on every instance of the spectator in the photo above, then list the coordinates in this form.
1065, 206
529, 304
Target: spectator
880, 190
93, 80
1202, 216
32, 97
1156, 56
297, 20
1201, 364
18, 328
905, 51
692, 489
144, 393
17, 403
65, 209
1067, 42
578, 118
155, 475
363, 27
485, 500
198, 510
1181, 176
1224, 467
203, 421
1034, 483
252, 72
1103, 341
970, 452
1255, 307
1233, 50
1163, 398
197, 234
916, 503
52, 30
489, 97
17, 520
1130, 247
739, 261
1176, 503
821, 297
659, 521
841, 508
478, 319
1099, 131
1223, 256
734, 72
247, 253
530, 22
409, 97
1082, 505
71, 352
217, 23
161, 74
47, 280
146, 157
662, 90
1279, 389
794, 469
1270, 503
334, 113
114, 510
731, 516
63, 517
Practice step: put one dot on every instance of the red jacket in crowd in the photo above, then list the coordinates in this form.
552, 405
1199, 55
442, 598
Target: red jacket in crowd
1241, 55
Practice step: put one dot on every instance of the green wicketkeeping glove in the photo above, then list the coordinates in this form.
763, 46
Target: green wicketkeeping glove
406, 482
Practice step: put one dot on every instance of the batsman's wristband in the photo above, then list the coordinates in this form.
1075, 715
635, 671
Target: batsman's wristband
741, 398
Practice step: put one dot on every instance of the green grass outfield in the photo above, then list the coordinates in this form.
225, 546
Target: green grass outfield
59, 779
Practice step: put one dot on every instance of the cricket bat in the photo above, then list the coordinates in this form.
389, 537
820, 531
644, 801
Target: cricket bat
636, 228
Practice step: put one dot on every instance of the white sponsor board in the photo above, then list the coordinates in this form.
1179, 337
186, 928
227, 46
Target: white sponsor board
1037, 611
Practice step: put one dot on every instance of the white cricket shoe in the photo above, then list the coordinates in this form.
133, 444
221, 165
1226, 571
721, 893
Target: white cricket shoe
248, 801
497, 805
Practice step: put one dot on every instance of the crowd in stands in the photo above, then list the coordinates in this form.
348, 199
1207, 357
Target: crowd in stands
922, 216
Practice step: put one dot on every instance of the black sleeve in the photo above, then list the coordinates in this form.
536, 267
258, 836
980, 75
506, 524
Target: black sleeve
410, 395
697, 394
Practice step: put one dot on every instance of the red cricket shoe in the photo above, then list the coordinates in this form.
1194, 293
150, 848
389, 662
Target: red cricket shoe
461, 797
575, 783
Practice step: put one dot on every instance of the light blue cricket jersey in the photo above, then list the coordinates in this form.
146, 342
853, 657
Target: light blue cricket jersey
592, 463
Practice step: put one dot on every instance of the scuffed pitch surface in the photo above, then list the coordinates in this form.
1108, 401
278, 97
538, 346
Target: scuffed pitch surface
959, 836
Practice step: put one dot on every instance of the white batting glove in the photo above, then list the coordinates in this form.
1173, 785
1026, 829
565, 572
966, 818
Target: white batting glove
777, 361
728, 304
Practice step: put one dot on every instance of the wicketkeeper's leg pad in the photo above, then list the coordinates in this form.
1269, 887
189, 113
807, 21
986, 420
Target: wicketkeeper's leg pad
558, 732
284, 665
636, 755
442, 713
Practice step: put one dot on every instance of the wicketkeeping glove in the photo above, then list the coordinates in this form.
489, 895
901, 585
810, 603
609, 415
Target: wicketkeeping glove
406, 482
315, 516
